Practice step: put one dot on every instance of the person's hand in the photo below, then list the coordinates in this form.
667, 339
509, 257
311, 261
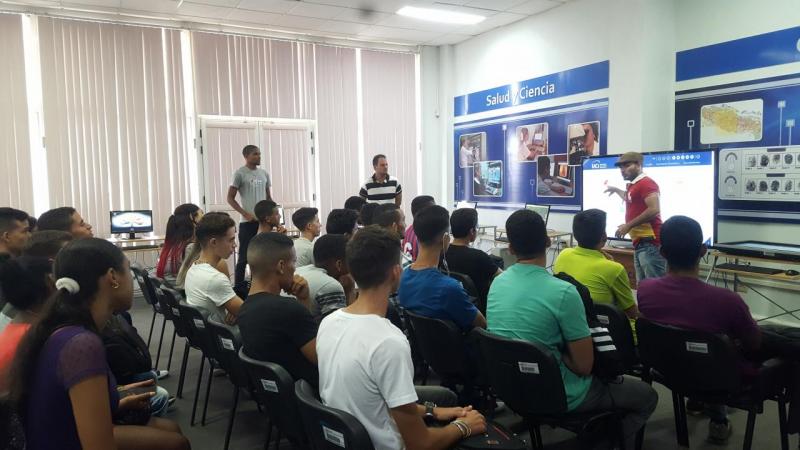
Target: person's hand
280, 229
448, 414
347, 282
622, 230
611, 190
230, 319
299, 288
248, 217
475, 421
126, 387
135, 401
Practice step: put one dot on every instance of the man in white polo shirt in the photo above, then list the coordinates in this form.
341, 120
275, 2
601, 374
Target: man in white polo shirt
381, 187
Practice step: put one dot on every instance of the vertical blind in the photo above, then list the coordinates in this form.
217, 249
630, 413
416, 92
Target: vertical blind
15, 157
115, 123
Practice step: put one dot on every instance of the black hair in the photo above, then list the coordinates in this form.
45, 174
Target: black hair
32, 222
264, 209
330, 247
462, 221
213, 225
543, 166
24, 281
341, 221
266, 249
681, 242
355, 203
526, 233
248, 149
386, 215
368, 213
47, 243
57, 219
589, 227
431, 223
85, 261
180, 230
595, 130
303, 216
10, 215
371, 255
377, 158
186, 209
420, 202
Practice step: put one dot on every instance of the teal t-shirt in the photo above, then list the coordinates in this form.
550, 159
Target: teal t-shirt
527, 302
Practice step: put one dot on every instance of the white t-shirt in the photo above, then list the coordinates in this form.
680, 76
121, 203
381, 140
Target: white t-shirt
365, 369
326, 293
208, 288
305, 251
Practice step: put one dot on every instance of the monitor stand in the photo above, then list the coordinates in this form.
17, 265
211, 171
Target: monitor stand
131, 236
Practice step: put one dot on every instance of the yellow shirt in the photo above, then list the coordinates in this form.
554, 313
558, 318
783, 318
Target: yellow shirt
606, 280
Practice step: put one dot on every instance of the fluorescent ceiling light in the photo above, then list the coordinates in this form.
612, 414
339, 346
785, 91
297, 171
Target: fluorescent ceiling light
440, 15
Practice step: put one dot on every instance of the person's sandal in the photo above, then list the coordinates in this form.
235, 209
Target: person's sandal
718, 433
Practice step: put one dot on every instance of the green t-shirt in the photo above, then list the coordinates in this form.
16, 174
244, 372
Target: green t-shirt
606, 280
526, 302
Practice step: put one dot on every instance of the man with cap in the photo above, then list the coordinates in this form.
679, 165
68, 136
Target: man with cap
642, 216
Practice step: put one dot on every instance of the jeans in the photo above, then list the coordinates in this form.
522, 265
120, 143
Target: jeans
159, 402
648, 262
247, 230
629, 394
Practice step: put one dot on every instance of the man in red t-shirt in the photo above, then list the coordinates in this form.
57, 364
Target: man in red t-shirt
642, 217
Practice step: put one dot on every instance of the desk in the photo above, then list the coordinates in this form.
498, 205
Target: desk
739, 274
139, 246
624, 256
552, 234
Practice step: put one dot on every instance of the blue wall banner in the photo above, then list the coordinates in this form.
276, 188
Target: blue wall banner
569, 82
753, 52
529, 157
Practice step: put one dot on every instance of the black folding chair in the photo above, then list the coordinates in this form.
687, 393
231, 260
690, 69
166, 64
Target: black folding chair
149, 294
228, 343
329, 428
200, 338
619, 327
170, 299
472, 291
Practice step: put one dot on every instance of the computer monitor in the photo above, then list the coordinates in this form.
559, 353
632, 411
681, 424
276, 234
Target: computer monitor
470, 205
283, 216
131, 222
542, 210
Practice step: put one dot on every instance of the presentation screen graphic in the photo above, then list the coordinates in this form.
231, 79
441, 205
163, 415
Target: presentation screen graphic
487, 179
140, 221
686, 182
760, 174
472, 149
532, 142
740, 121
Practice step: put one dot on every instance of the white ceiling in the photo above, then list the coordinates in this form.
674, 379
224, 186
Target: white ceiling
362, 20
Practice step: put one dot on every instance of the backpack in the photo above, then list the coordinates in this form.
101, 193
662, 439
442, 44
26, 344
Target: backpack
126, 352
608, 363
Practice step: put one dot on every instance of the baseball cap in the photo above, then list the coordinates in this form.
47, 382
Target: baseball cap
628, 158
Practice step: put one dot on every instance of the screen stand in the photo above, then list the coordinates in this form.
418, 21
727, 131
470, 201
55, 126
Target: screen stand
131, 235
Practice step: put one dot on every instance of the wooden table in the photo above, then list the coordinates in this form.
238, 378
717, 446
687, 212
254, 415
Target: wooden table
624, 256
139, 246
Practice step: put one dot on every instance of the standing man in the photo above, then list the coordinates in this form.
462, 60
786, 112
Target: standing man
642, 217
381, 187
253, 185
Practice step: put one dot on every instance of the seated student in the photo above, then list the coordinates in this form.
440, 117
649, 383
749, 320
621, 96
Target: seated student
179, 235
367, 213
462, 258
14, 231
47, 244
341, 221
410, 242
389, 216
365, 363
329, 282
269, 217
307, 222
66, 219
355, 203
206, 287
606, 280
276, 328
192, 254
60, 382
427, 291
527, 302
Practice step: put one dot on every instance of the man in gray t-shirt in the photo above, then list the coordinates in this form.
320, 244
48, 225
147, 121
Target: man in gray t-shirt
253, 185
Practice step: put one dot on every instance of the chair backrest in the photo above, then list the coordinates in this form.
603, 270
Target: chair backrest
689, 361
525, 375
196, 321
441, 344
229, 341
471, 289
329, 428
145, 285
274, 388
169, 299
619, 327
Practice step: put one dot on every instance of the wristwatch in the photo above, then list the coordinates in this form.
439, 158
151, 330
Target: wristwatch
429, 409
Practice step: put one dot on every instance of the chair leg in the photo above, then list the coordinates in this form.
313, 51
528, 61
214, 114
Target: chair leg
232, 416
278, 440
269, 435
536, 438
748, 433
184, 361
160, 341
197, 388
681, 428
171, 349
152, 324
208, 391
782, 424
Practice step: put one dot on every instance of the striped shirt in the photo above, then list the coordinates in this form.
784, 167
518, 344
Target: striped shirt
376, 192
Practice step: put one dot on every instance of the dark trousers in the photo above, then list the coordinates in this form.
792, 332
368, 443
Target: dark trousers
247, 230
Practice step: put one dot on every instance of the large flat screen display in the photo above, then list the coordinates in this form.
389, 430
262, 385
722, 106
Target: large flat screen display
686, 182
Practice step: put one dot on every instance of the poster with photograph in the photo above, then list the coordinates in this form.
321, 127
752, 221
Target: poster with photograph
554, 177
741, 121
532, 141
487, 179
472, 149
583, 139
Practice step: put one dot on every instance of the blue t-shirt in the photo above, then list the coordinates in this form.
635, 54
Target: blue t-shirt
431, 293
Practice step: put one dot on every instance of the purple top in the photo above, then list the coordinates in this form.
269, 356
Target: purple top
690, 303
70, 355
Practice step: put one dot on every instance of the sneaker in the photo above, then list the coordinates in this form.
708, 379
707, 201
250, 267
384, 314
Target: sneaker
160, 374
695, 407
718, 433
